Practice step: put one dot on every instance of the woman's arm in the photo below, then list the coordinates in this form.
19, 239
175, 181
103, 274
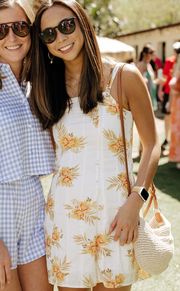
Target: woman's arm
139, 102
136, 98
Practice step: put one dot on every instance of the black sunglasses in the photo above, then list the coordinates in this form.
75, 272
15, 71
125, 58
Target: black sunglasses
20, 28
65, 26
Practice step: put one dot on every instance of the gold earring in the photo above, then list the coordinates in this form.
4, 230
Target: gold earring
51, 58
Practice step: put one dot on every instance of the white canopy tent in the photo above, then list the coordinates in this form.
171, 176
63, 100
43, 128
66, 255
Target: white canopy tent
115, 49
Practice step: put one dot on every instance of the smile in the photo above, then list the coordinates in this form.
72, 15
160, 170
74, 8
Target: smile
13, 47
66, 48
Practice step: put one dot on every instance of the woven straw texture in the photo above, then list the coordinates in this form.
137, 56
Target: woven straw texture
155, 245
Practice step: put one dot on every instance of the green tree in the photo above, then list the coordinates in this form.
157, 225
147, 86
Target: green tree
114, 17
105, 22
138, 15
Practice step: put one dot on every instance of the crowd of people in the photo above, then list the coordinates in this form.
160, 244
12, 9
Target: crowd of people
60, 110
165, 95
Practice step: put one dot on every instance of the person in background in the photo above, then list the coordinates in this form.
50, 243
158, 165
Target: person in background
145, 67
156, 63
25, 154
91, 222
164, 91
174, 152
157, 66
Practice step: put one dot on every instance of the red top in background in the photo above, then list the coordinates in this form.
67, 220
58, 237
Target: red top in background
167, 72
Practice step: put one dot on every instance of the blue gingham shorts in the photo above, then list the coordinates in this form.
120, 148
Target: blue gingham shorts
22, 220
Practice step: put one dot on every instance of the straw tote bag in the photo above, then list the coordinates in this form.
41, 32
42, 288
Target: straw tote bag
154, 247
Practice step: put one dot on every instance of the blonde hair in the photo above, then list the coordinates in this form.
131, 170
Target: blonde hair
26, 6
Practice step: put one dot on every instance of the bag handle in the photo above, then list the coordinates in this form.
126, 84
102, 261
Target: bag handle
152, 190
119, 93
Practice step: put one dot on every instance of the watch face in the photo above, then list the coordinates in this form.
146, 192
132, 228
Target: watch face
144, 194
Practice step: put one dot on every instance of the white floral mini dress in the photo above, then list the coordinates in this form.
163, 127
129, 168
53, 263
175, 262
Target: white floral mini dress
89, 186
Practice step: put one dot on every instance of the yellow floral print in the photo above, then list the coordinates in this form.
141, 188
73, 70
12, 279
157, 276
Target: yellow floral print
84, 210
67, 175
141, 273
88, 282
69, 141
50, 206
96, 247
59, 270
53, 239
94, 115
76, 221
111, 281
48, 243
110, 106
131, 255
56, 236
115, 144
118, 182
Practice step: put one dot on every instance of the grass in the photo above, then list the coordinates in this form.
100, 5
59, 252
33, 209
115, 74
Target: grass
167, 179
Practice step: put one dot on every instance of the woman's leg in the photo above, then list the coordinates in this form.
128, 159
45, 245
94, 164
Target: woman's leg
33, 276
100, 287
14, 283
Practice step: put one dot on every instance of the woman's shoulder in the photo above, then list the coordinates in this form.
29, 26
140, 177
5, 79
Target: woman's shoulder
110, 69
109, 65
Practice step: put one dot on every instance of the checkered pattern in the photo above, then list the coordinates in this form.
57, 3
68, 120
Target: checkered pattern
25, 149
22, 220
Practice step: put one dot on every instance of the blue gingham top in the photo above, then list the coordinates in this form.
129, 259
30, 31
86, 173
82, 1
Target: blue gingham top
25, 149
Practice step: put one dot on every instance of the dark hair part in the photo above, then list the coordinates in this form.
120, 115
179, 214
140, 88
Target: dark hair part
26, 7
146, 50
49, 98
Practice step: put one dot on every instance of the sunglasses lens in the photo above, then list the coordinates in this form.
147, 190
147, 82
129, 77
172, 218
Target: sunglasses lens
4, 29
67, 26
21, 29
48, 35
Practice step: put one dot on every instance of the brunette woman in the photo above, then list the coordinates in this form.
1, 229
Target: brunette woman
91, 222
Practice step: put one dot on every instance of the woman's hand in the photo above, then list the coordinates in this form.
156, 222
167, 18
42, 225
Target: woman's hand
125, 223
5, 264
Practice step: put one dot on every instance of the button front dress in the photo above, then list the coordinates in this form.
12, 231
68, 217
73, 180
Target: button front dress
88, 187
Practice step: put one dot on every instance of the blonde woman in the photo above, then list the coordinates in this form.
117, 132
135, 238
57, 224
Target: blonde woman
25, 154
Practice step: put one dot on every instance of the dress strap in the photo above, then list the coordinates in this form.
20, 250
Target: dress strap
113, 73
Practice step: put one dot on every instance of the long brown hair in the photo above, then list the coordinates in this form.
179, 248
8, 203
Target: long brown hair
49, 97
26, 7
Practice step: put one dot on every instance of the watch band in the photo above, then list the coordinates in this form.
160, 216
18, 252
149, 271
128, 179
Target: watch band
142, 192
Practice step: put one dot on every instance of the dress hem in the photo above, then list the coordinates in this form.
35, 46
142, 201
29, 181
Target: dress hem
92, 286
